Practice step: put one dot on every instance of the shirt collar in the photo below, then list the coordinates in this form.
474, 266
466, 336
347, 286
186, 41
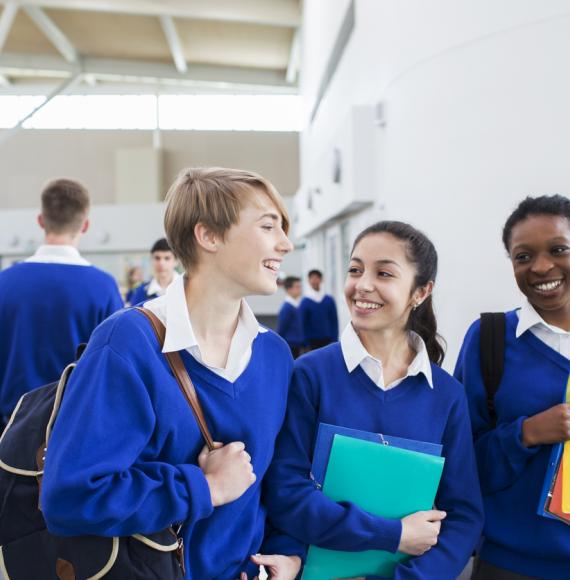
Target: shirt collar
293, 301
155, 288
354, 353
530, 318
316, 295
58, 254
179, 332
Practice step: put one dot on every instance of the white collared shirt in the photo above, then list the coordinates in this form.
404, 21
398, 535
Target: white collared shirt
293, 301
172, 310
315, 295
355, 354
58, 254
556, 338
155, 288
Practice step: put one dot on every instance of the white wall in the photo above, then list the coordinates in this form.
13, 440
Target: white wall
32, 157
476, 95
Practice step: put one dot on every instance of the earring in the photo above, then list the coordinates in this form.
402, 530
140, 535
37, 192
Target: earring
415, 307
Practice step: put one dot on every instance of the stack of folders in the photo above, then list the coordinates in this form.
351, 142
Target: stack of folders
387, 476
555, 497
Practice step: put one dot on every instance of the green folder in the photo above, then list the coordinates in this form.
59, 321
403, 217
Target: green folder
383, 480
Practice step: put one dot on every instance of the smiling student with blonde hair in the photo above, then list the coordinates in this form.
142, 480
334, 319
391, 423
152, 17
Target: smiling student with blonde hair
126, 455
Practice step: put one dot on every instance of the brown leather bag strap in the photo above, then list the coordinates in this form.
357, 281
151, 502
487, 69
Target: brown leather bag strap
182, 377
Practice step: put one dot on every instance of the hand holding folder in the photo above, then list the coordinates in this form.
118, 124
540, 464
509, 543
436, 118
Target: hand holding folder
382, 479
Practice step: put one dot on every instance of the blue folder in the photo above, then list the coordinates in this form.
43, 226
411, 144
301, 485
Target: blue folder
551, 469
325, 437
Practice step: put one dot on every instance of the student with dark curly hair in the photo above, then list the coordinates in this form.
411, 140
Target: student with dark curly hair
513, 455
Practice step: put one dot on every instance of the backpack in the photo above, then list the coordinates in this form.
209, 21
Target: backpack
492, 355
27, 549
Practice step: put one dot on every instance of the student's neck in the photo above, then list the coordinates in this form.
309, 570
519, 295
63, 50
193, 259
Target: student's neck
51, 239
214, 315
559, 318
164, 279
392, 348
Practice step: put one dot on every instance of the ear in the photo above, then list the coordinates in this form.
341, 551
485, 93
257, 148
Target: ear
208, 240
420, 294
85, 225
41, 222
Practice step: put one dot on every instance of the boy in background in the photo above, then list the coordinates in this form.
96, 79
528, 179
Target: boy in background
289, 323
318, 313
164, 273
51, 302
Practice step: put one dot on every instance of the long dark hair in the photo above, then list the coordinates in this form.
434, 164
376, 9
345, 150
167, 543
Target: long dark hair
422, 254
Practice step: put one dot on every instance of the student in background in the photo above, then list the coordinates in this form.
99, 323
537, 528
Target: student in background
51, 302
126, 455
289, 324
383, 376
134, 280
164, 273
513, 455
318, 313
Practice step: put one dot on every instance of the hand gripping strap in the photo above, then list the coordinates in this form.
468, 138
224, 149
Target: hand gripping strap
182, 377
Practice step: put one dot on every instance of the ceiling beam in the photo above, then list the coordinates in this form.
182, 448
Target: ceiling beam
136, 71
171, 34
52, 32
285, 13
6, 20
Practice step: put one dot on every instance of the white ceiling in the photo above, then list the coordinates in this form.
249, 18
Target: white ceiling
117, 46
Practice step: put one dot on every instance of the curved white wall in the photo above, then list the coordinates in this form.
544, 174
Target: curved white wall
477, 98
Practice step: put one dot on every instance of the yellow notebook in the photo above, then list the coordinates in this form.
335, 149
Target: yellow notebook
566, 467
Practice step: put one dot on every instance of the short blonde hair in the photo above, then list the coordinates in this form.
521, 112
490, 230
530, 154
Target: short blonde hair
212, 196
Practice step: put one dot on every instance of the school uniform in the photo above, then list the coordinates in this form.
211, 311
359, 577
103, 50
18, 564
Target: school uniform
149, 290
49, 304
343, 385
319, 317
290, 325
123, 454
536, 368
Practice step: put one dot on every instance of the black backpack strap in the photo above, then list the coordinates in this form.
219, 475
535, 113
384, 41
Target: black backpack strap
492, 349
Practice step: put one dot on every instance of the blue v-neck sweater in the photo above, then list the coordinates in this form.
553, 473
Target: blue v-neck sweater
320, 319
534, 379
290, 325
323, 390
46, 311
123, 455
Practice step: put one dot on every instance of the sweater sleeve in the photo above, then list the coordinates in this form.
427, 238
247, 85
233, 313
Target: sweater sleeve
100, 476
334, 320
501, 456
460, 497
115, 301
295, 505
284, 320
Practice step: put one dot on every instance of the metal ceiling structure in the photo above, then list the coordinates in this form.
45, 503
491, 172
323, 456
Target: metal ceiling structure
123, 46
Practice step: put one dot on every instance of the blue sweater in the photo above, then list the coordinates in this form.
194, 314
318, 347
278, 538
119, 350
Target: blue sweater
46, 311
323, 390
534, 379
320, 319
123, 455
289, 325
139, 294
